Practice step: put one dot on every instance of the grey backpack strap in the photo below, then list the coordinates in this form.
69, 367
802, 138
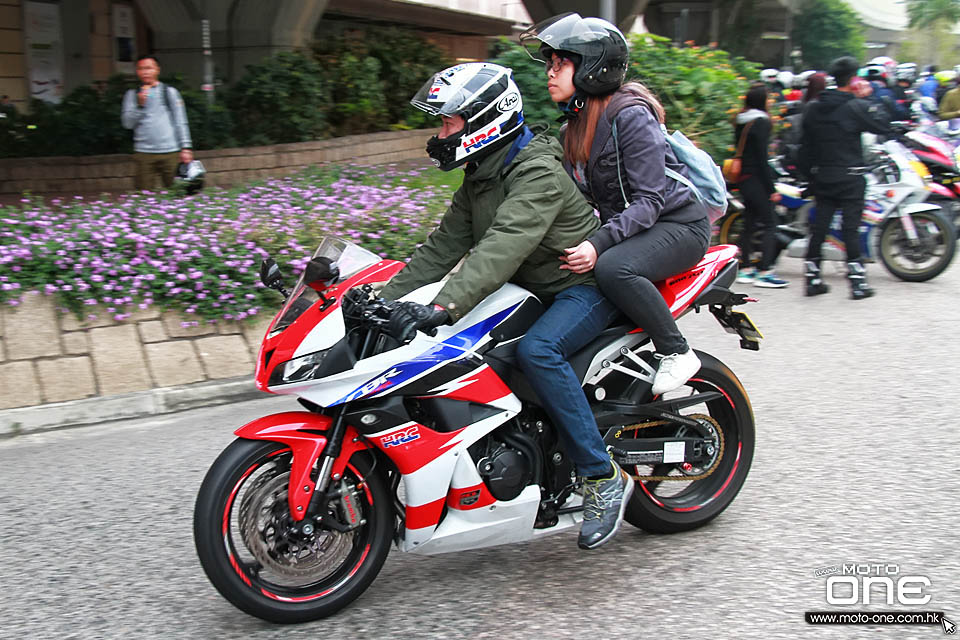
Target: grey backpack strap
616, 148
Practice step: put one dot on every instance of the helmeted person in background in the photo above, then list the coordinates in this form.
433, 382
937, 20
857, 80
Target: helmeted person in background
876, 75
515, 211
652, 226
832, 156
770, 77
928, 88
950, 104
756, 186
903, 92
945, 80
161, 135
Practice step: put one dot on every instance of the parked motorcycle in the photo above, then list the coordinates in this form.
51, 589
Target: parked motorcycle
939, 154
439, 444
911, 237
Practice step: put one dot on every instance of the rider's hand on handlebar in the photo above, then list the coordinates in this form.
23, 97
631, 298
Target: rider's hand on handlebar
409, 317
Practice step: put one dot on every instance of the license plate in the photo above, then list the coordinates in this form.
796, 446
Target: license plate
745, 326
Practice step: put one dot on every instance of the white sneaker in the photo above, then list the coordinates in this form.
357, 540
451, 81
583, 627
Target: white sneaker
674, 370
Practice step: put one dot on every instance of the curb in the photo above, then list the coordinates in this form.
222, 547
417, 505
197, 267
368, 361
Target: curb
78, 413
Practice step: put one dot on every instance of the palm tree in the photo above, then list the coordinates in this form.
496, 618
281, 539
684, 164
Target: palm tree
935, 20
923, 13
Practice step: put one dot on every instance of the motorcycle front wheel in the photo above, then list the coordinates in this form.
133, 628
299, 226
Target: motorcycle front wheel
272, 567
933, 252
678, 503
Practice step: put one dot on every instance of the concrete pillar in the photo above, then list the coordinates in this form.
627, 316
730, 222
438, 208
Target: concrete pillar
242, 32
75, 25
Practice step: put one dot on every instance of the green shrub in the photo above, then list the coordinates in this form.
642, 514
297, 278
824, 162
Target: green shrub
211, 125
700, 88
404, 61
359, 103
282, 99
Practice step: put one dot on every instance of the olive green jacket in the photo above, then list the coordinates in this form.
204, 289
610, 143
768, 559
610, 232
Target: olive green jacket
950, 105
516, 219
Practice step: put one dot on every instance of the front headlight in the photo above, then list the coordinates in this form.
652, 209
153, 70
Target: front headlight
299, 369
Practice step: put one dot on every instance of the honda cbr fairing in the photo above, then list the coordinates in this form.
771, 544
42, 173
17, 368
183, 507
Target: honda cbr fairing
306, 353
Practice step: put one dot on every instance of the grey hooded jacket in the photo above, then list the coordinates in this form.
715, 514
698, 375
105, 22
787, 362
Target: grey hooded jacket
157, 129
651, 195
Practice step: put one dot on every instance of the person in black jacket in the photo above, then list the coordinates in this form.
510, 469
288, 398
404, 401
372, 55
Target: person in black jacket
757, 189
832, 156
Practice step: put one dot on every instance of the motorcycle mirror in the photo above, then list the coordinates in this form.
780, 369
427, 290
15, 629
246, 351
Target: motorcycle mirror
270, 274
321, 268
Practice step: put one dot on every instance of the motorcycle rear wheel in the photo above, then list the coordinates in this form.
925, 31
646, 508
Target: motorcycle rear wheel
674, 506
242, 533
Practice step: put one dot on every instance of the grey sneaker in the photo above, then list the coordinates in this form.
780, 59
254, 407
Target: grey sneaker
604, 502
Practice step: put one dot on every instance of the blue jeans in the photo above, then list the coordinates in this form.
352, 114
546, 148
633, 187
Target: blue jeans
576, 317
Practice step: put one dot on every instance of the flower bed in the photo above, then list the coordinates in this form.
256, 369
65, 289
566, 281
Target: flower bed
200, 254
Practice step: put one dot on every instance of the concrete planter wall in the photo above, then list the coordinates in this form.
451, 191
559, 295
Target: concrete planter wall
95, 174
46, 356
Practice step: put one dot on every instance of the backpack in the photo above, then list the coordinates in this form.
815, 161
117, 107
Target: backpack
790, 140
706, 179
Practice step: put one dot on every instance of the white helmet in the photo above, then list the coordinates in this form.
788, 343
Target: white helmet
889, 64
804, 77
489, 101
785, 78
769, 75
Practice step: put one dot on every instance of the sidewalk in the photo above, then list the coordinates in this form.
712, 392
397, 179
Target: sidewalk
90, 411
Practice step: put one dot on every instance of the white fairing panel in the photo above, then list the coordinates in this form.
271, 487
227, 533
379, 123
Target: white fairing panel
324, 335
380, 374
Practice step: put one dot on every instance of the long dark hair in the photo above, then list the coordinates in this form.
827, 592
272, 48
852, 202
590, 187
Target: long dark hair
756, 97
816, 85
578, 139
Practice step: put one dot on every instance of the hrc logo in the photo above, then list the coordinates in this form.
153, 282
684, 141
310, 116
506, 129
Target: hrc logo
400, 437
481, 139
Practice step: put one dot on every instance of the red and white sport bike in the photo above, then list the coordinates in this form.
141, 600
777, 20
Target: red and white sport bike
440, 445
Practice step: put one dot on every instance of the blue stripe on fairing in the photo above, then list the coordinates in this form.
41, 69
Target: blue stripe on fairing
452, 347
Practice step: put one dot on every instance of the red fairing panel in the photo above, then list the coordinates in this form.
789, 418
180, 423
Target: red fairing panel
412, 446
296, 430
285, 344
680, 290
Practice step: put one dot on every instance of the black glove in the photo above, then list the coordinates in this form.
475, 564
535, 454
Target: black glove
409, 317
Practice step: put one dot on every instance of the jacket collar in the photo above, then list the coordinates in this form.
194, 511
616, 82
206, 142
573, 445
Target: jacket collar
488, 167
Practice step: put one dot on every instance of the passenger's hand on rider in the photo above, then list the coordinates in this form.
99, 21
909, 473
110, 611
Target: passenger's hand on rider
579, 259
409, 317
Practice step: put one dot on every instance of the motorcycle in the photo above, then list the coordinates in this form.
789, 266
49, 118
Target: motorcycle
939, 155
912, 238
439, 444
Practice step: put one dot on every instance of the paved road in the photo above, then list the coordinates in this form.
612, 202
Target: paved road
856, 407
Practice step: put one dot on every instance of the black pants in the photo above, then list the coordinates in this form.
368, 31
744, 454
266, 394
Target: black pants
758, 211
626, 273
852, 212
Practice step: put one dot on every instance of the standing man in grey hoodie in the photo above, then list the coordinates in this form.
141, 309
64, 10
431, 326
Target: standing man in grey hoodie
161, 136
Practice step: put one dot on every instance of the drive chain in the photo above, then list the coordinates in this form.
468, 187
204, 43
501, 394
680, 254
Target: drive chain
660, 423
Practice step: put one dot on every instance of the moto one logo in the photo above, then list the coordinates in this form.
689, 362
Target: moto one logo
858, 582
508, 102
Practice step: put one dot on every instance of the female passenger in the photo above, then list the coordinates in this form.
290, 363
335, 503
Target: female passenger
652, 227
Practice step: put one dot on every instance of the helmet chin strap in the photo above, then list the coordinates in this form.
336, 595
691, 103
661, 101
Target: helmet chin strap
572, 108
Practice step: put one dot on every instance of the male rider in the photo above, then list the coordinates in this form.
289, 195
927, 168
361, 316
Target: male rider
831, 155
512, 217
